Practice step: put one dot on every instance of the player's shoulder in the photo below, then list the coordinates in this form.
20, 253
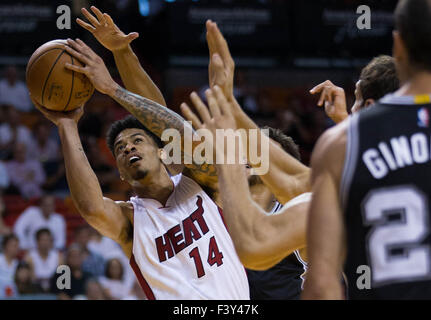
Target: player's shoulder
331, 143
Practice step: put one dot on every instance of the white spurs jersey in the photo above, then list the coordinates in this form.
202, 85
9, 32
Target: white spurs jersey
183, 250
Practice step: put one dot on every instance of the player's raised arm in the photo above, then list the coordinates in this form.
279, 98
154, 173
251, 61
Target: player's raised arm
251, 230
287, 177
135, 78
325, 231
101, 213
153, 116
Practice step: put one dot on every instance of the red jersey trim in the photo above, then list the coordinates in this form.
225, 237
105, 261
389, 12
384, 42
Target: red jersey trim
144, 284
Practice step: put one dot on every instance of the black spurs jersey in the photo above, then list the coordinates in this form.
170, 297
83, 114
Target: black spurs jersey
385, 193
285, 280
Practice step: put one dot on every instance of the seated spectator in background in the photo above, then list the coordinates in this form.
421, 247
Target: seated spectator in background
26, 174
24, 281
109, 249
34, 218
95, 291
13, 132
9, 256
4, 177
46, 148
136, 293
44, 260
56, 182
106, 174
113, 281
4, 230
92, 262
78, 277
14, 91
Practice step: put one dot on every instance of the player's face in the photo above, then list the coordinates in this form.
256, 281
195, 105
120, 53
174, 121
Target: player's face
136, 154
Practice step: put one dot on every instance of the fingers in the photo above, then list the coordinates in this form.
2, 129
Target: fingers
98, 14
80, 50
222, 101
212, 103
200, 107
191, 116
321, 86
90, 17
78, 55
85, 25
326, 96
75, 68
132, 36
108, 19
222, 47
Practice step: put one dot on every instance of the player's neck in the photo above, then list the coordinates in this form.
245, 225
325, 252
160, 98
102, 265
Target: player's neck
158, 186
418, 84
262, 196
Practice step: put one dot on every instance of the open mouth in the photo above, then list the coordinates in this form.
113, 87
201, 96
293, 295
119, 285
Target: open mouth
134, 159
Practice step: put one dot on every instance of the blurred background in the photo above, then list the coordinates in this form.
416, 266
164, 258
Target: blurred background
281, 49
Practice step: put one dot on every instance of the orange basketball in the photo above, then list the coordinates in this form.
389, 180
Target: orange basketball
51, 84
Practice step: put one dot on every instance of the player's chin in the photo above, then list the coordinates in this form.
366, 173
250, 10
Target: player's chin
139, 174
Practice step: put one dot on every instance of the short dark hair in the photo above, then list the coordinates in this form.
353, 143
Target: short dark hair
41, 231
129, 122
379, 78
413, 22
8, 238
285, 141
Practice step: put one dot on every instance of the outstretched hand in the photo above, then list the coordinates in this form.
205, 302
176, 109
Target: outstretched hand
217, 116
105, 30
334, 100
221, 67
95, 69
57, 117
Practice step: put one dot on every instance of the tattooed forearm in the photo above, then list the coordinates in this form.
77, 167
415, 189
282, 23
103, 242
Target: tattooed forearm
152, 115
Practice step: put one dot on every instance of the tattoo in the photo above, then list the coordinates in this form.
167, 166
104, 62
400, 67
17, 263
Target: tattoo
152, 115
158, 118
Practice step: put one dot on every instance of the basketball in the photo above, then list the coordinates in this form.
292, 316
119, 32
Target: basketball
51, 84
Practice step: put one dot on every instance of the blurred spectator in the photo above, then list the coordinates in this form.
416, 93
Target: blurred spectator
13, 91
44, 260
56, 182
4, 177
27, 175
35, 218
244, 93
92, 263
94, 291
4, 230
46, 148
136, 293
24, 282
109, 249
78, 277
113, 281
13, 132
106, 174
9, 256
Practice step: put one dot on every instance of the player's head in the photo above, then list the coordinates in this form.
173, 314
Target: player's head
137, 151
285, 142
377, 79
412, 45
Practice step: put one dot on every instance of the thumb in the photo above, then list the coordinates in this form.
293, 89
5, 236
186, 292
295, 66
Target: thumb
132, 36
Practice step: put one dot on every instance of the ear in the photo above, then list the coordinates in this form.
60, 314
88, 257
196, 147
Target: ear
162, 154
369, 102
